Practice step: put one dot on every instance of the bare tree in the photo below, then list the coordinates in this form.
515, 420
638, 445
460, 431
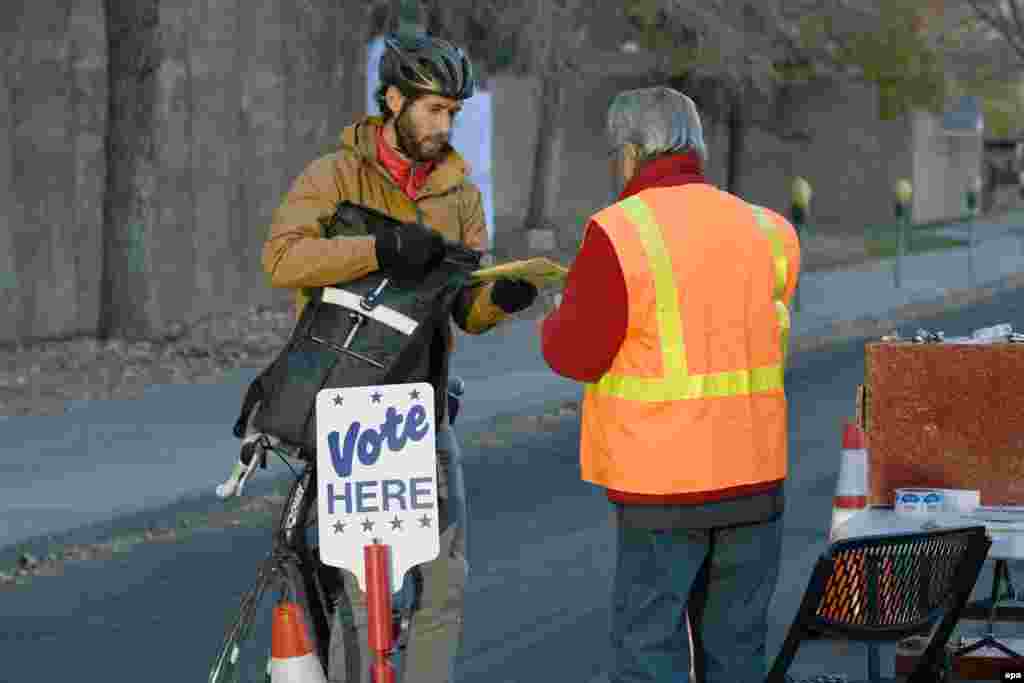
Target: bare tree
731, 51
540, 38
134, 55
549, 43
916, 53
1006, 18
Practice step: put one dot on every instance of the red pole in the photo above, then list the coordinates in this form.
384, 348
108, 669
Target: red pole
378, 606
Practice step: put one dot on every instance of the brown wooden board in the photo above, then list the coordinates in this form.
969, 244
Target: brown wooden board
945, 416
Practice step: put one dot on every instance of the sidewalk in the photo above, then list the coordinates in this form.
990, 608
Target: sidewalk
176, 441
830, 301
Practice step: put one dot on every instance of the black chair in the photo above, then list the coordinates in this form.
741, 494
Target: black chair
887, 588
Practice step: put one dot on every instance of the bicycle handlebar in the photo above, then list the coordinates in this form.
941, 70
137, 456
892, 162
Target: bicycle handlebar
255, 446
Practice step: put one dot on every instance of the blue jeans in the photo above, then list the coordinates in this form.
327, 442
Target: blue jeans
435, 629
724, 577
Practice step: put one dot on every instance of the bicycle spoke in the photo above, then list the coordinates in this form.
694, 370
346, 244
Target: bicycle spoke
225, 668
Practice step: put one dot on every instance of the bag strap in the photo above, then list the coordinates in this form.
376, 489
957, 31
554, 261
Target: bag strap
256, 391
253, 395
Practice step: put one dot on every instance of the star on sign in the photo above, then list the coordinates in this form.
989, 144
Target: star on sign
367, 525
414, 393
424, 521
339, 527
376, 397
337, 400
396, 523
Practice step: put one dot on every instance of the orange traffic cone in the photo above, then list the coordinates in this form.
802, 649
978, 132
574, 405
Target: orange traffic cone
852, 487
850, 498
292, 659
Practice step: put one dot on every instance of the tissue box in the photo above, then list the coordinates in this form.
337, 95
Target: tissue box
960, 500
945, 416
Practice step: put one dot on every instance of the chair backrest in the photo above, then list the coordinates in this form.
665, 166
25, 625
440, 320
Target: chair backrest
890, 587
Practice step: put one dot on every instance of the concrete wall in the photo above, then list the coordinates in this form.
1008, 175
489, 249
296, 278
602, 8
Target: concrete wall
52, 167
215, 111
194, 126
943, 167
242, 102
852, 160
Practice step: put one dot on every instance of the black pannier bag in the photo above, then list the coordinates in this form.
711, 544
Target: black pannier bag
375, 330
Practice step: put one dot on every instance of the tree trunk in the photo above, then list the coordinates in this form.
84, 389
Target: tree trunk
128, 205
543, 180
736, 140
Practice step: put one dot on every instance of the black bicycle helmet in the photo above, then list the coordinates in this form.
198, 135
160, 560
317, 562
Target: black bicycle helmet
424, 65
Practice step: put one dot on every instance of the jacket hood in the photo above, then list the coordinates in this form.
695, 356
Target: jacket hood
360, 138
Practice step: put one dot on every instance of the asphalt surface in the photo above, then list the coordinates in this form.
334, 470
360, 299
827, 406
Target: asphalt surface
541, 553
107, 459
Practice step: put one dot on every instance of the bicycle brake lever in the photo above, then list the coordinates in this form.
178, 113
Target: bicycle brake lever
253, 454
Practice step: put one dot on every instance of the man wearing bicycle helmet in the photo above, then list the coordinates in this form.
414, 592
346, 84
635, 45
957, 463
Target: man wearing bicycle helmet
401, 163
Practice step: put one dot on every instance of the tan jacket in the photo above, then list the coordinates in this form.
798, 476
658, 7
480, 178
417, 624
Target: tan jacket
295, 256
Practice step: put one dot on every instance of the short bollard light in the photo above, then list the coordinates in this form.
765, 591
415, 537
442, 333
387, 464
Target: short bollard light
801, 200
801, 196
971, 196
904, 192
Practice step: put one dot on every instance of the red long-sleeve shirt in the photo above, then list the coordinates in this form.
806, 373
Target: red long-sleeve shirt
581, 338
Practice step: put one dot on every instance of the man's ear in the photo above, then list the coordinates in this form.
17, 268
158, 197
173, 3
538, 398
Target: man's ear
394, 99
630, 160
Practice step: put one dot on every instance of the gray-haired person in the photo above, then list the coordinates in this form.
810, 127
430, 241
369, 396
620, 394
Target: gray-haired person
675, 316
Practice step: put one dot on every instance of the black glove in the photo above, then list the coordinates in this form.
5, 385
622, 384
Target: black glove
513, 296
410, 250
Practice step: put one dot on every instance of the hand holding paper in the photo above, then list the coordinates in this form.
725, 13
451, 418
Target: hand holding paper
539, 271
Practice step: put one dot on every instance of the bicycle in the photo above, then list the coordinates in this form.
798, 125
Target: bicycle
291, 552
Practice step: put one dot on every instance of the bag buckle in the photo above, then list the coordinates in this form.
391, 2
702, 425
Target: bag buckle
367, 303
370, 300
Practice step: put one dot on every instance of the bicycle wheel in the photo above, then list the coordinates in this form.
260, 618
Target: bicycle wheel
225, 667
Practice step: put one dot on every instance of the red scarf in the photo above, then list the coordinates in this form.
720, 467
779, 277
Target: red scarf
400, 168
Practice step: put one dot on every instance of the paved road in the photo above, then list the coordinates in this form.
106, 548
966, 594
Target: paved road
105, 459
110, 458
541, 553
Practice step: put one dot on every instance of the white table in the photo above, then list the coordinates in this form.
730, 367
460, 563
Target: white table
1007, 544
881, 520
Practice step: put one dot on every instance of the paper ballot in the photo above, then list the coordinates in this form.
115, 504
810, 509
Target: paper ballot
540, 271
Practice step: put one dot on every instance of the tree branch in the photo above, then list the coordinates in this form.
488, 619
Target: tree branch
1000, 24
1015, 10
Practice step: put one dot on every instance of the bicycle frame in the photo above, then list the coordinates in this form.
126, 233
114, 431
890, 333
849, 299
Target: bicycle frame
291, 536
290, 543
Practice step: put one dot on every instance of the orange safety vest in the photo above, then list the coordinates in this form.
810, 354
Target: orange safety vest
693, 400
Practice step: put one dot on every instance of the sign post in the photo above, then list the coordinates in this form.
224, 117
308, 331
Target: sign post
377, 493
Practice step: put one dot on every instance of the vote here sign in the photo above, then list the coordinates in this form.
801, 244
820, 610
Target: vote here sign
377, 476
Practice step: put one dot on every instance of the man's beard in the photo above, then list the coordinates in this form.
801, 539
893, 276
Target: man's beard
409, 142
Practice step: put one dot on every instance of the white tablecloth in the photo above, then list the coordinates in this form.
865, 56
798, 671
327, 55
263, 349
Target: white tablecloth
1007, 537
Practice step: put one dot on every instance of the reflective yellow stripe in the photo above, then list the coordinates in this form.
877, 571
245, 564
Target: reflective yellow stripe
781, 275
681, 387
666, 297
677, 383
